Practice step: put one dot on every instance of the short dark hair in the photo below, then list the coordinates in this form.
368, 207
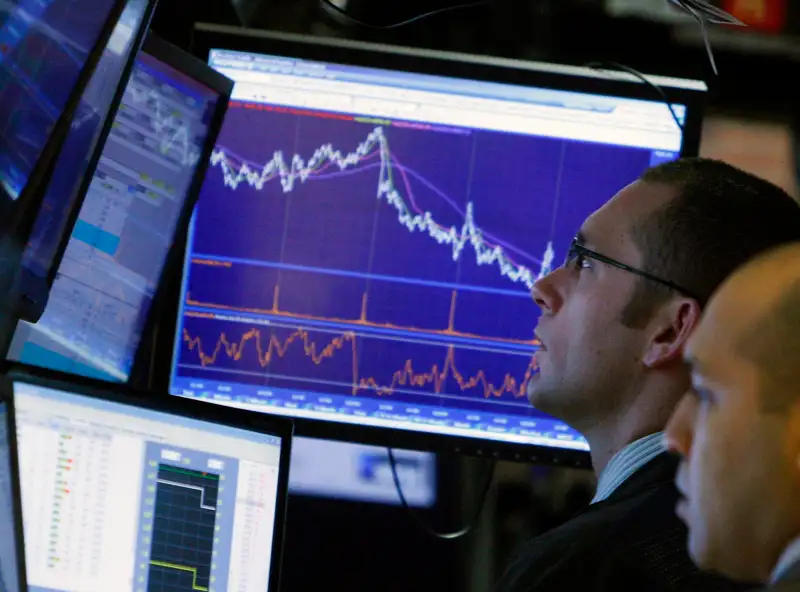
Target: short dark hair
771, 344
720, 218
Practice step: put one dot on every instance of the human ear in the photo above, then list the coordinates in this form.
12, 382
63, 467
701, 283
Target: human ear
670, 330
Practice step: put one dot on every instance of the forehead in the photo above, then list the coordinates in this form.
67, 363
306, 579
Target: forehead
715, 345
614, 224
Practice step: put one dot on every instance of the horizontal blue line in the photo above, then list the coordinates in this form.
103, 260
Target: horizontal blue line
497, 346
361, 275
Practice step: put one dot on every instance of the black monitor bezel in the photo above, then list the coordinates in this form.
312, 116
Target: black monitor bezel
16, 491
124, 394
97, 152
208, 36
195, 68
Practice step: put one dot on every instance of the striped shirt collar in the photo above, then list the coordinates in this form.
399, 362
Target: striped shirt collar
626, 462
788, 559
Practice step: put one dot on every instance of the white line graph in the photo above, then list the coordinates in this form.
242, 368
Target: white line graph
171, 132
202, 491
469, 234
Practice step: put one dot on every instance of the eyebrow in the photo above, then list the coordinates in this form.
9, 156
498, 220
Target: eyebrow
580, 237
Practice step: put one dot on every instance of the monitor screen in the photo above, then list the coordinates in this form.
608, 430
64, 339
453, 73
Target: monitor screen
356, 472
9, 554
116, 497
85, 135
102, 294
44, 45
365, 243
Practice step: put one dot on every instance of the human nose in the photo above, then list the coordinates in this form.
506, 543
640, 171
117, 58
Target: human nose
546, 292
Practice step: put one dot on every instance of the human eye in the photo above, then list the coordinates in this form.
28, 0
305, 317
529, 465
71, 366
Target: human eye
577, 260
582, 261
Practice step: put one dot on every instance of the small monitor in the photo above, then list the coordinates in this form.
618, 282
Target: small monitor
357, 472
124, 492
12, 558
72, 169
144, 187
374, 219
45, 47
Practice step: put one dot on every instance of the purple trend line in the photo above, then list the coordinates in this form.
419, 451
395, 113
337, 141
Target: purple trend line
497, 240
440, 193
433, 188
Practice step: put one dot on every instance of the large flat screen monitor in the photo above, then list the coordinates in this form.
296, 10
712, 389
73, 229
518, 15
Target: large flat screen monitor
46, 50
141, 195
123, 492
372, 223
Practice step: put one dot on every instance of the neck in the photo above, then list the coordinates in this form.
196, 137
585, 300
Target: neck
648, 412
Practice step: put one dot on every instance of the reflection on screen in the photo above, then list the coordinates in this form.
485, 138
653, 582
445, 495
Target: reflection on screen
169, 502
73, 161
44, 45
112, 265
361, 473
9, 576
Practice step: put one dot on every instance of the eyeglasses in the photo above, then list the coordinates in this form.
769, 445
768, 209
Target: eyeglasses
577, 250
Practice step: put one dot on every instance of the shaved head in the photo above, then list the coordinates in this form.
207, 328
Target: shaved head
773, 345
738, 426
755, 316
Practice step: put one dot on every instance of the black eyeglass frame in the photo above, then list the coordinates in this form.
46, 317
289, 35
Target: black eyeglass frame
576, 249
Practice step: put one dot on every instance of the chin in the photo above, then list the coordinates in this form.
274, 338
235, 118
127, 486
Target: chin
534, 391
543, 399
701, 553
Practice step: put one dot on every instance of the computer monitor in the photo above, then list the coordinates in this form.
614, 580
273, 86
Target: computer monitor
12, 548
372, 223
141, 195
361, 473
47, 53
124, 491
72, 170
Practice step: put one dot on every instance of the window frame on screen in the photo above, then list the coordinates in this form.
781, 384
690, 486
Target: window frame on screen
690, 93
174, 57
281, 427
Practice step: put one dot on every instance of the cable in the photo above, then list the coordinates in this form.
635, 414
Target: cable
635, 73
340, 12
422, 524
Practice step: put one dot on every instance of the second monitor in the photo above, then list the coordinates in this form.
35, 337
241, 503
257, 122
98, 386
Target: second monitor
141, 194
122, 492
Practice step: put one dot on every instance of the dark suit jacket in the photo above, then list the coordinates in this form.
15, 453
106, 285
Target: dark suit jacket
631, 541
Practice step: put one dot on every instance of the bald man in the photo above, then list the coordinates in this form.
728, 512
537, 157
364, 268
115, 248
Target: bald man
738, 427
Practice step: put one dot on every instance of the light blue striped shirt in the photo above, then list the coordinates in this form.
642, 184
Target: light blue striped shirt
788, 558
626, 462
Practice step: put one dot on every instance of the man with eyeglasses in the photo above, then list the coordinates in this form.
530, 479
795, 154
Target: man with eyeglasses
614, 321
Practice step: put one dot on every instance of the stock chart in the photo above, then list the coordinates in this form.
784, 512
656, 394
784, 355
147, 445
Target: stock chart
381, 261
44, 45
183, 529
